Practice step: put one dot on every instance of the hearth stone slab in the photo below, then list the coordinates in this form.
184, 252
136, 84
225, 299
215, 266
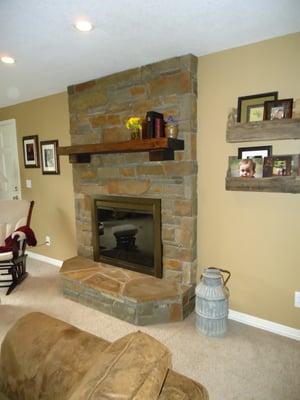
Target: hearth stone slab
131, 296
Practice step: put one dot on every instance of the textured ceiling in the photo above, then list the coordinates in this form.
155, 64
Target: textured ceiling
50, 54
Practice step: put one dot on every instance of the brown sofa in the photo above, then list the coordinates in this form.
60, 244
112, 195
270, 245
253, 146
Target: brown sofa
47, 359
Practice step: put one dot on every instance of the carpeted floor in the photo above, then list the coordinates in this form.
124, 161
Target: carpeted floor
248, 364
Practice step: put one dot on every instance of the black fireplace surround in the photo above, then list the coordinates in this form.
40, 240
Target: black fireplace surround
127, 233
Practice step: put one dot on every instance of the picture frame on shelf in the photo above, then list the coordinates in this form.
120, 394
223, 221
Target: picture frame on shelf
256, 151
49, 157
31, 151
268, 167
233, 167
295, 165
282, 166
278, 109
255, 113
236, 165
251, 108
277, 166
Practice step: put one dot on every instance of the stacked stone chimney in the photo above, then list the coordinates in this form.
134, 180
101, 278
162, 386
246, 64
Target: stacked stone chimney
99, 110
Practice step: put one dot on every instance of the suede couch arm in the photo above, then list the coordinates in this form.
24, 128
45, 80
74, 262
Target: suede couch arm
44, 358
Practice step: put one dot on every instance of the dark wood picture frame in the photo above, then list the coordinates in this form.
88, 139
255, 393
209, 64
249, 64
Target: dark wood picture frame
282, 163
49, 157
277, 166
278, 109
255, 101
256, 151
31, 151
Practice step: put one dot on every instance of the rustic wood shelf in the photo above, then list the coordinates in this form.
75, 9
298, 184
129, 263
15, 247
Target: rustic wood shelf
280, 129
159, 149
280, 184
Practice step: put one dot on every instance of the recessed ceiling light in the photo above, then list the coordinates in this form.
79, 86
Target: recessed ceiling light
8, 60
84, 26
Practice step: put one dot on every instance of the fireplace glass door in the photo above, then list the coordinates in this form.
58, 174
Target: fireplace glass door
127, 233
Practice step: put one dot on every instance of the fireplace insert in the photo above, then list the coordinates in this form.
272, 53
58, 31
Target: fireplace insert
127, 233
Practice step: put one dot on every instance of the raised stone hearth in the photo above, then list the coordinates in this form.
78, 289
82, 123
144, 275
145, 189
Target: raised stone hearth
131, 296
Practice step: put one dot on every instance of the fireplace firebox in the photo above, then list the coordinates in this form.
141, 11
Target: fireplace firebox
127, 233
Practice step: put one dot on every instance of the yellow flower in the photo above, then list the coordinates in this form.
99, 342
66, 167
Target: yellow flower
134, 123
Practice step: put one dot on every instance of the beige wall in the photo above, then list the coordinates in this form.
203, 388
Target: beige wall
53, 213
254, 235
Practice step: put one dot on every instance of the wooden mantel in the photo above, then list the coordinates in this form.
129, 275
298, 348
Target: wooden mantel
159, 149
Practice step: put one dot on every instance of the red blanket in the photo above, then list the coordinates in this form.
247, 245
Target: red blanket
30, 239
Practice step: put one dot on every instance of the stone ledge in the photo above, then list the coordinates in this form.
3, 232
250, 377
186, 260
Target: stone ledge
128, 295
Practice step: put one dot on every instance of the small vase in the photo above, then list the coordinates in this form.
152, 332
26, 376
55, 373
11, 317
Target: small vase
135, 134
171, 130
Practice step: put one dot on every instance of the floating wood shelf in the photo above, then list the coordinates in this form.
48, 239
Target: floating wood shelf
282, 184
279, 129
159, 149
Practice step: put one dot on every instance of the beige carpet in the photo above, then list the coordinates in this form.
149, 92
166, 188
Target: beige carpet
249, 364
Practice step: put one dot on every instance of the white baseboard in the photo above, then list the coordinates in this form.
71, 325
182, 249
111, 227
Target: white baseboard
264, 324
46, 259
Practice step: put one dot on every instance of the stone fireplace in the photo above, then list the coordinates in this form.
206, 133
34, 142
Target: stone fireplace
99, 110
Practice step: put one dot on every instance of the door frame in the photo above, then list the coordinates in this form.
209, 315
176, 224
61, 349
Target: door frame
12, 122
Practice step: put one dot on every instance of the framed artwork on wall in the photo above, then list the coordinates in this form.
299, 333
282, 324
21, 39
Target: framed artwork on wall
31, 151
277, 166
251, 108
256, 151
278, 109
245, 168
50, 160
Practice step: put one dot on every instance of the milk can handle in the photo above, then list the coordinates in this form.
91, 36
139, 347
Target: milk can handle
222, 270
228, 277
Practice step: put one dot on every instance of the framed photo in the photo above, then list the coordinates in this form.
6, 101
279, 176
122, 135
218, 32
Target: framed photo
245, 168
31, 151
295, 165
278, 109
252, 152
251, 108
277, 166
282, 165
255, 113
50, 160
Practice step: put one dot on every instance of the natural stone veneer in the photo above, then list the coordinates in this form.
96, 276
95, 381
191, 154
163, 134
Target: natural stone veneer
98, 112
133, 297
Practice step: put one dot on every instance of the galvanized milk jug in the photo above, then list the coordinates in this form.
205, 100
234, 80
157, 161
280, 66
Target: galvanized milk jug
212, 302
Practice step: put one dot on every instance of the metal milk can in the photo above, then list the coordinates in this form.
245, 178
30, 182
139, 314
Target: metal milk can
212, 302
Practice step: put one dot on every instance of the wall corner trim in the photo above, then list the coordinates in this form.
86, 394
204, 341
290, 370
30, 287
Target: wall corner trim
264, 324
46, 259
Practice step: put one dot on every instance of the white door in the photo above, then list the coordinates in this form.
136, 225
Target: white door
10, 187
